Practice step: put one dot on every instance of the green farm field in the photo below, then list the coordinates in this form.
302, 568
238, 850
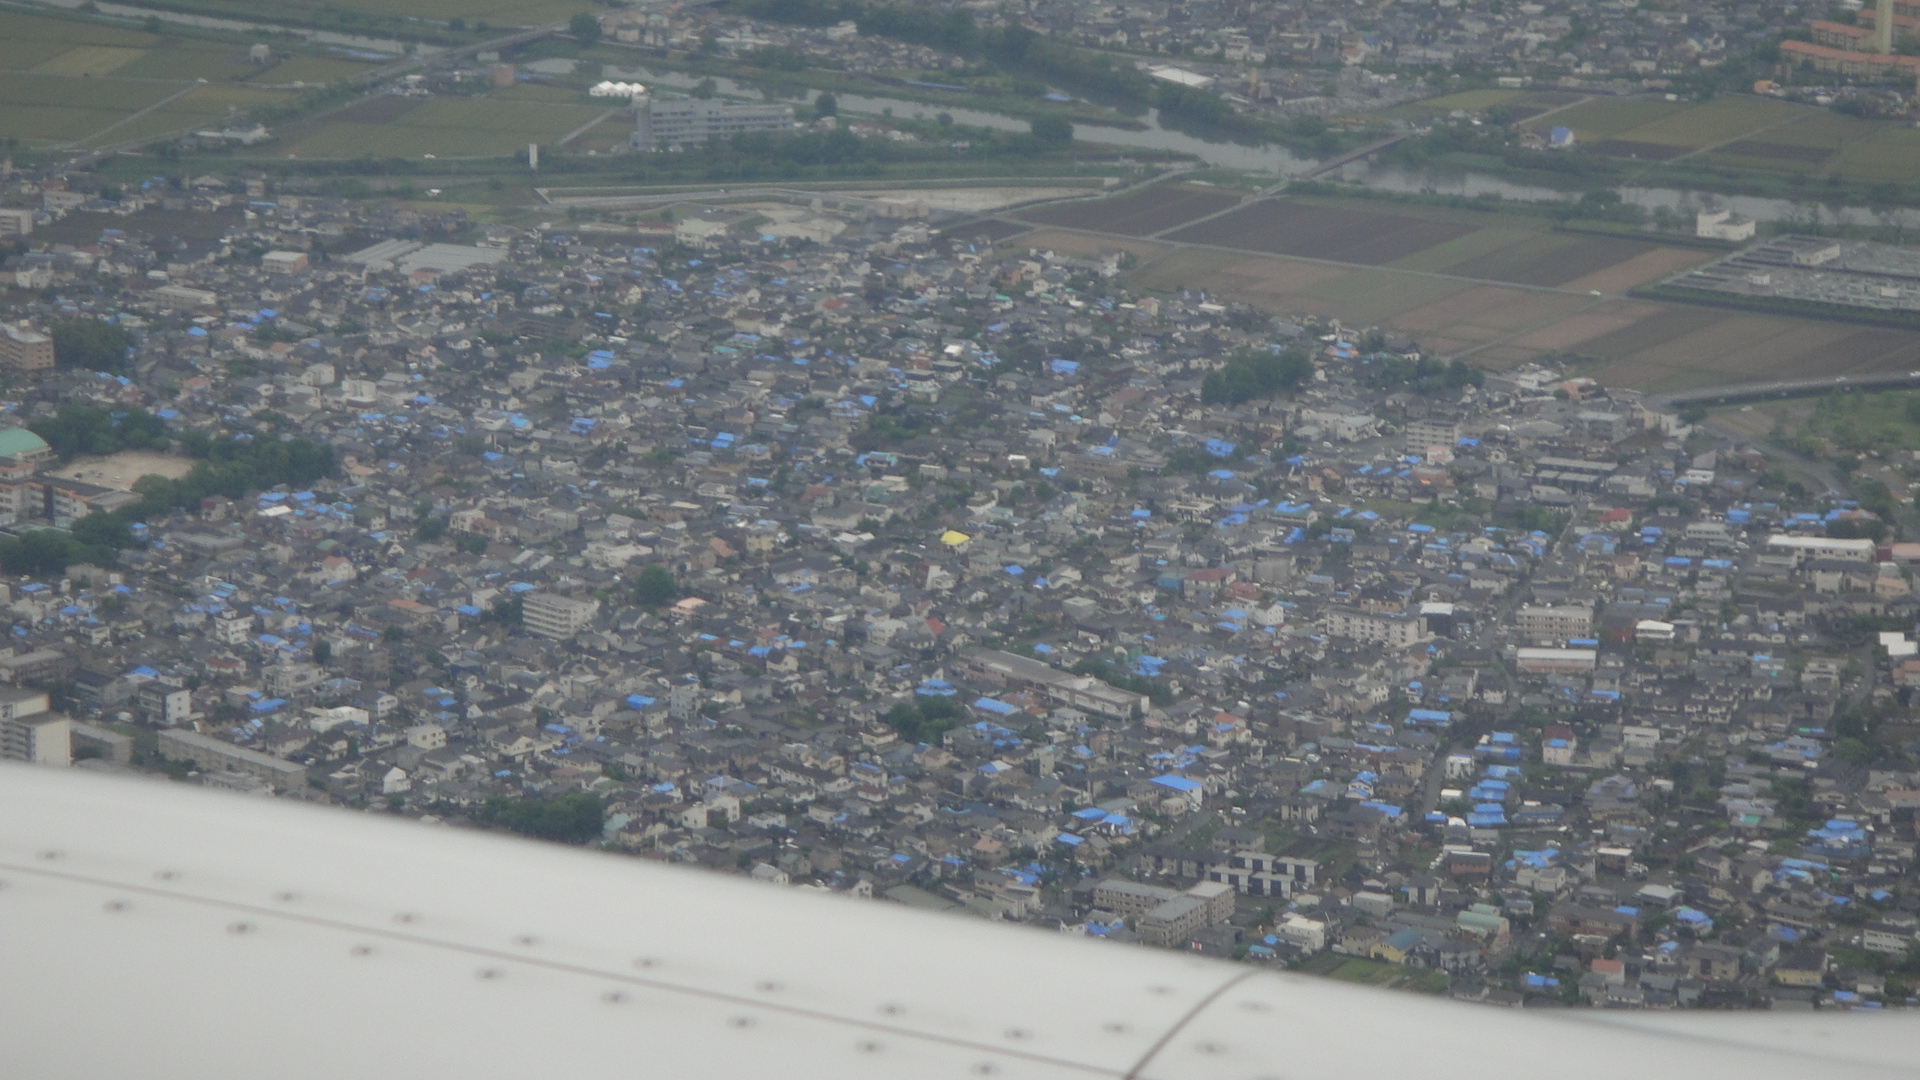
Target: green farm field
311, 70
1607, 117
50, 46
1727, 117
450, 127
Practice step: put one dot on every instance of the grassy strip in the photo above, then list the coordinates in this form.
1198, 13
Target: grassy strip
1767, 305
1627, 232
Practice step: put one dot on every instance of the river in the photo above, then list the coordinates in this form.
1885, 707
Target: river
1278, 160
387, 47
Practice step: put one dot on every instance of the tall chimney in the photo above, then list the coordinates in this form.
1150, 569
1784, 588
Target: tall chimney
1883, 27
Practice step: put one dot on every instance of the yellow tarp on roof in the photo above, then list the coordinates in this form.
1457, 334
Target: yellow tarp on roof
954, 538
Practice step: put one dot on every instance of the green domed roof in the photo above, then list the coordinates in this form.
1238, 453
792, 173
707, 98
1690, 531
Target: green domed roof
21, 441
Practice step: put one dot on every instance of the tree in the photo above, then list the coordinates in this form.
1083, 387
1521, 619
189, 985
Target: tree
655, 586
1255, 374
322, 652
573, 818
584, 28
82, 429
1053, 129
826, 105
91, 345
925, 722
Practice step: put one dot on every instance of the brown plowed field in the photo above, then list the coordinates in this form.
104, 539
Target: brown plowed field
1283, 227
1140, 214
992, 231
1555, 266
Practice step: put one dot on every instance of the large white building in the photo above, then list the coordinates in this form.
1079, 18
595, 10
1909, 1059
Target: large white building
1392, 628
216, 755
1782, 547
31, 732
555, 616
695, 122
1541, 622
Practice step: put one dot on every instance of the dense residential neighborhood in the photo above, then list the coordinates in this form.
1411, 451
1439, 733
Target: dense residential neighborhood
840, 548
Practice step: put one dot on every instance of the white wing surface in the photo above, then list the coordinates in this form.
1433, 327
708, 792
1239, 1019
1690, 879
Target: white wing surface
155, 931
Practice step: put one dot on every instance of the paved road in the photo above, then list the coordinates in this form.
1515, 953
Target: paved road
1786, 388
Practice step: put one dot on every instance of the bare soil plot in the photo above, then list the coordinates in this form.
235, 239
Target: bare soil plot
1480, 242
1141, 213
992, 231
1572, 331
1456, 308
1285, 227
119, 471
1380, 296
1280, 286
1671, 322
1638, 151
1639, 269
1477, 316
1551, 260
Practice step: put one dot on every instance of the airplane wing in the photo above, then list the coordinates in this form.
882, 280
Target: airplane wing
158, 931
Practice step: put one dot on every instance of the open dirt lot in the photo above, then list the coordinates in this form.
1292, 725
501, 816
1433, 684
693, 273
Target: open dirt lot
1139, 214
1285, 227
121, 470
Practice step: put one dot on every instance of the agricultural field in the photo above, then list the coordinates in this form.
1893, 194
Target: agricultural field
992, 232
60, 47
1469, 100
1142, 213
65, 82
310, 71
497, 13
1291, 227
450, 127
1743, 131
1550, 259
1606, 117
1891, 153
57, 109
1729, 116
213, 106
1075, 243
1478, 293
